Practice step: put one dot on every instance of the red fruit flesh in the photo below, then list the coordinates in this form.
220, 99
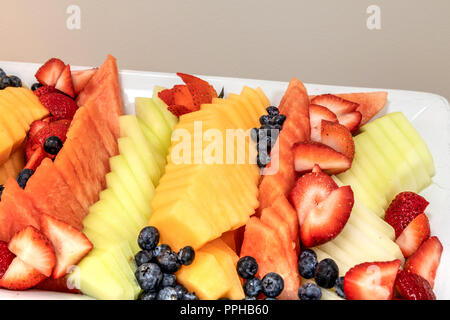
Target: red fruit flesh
338, 137
307, 154
202, 92
36, 158
33, 248
44, 90
403, 209
411, 286
316, 115
59, 105
70, 244
80, 79
178, 110
351, 120
335, 104
371, 280
49, 73
425, 261
6, 257
20, 276
285, 210
414, 235
57, 285
64, 83
183, 97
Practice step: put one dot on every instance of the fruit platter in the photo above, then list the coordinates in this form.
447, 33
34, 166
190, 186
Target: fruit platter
125, 185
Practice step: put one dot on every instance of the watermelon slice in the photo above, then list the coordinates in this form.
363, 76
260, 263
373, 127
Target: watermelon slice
52, 196
285, 210
16, 210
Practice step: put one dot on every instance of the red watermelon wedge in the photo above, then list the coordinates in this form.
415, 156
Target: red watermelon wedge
285, 210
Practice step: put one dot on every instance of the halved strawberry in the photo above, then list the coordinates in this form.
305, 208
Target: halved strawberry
49, 73
403, 209
59, 105
44, 90
34, 249
351, 120
178, 110
414, 235
411, 286
80, 79
20, 276
316, 115
338, 137
64, 83
36, 158
426, 259
201, 91
70, 244
57, 285
183, 97
371, 280
307, 154
6, 257
337, 105
36, 126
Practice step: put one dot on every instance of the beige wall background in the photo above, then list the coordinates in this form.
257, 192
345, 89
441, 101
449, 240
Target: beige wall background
319, 41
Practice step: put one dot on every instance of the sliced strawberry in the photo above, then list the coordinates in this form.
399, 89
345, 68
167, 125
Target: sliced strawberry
64, 83
411, 286
166, 95
307, 154
414, 235
338, 137
351, 120
337, 105
202, 92
316, 115
183, 97
371, 280
36, 126
57, 285
59, 105
6, 257
80, 79
33, 248
178, 110
403, 209
44, 90
49, 73
36, 158
426, 259
325, 221
70, 244
20, 276
310, 190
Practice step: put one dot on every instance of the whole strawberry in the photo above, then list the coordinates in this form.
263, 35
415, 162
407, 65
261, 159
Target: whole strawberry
411, 286
403, 209
59, 105
6, 257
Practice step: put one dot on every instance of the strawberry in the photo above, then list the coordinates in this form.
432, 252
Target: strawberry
414, 235
36, 158
20, 276
425, 261
316, 115
80, 79
371, 280
351, 120
57, 285
335, 104
183, 97
49, 73
36, 126
6, 257
44, 90
202, 92
178, 110
306, 154
64, 83
338, 137
59, 105
34, 249
166, 95
411, 286
70, 244
403, 209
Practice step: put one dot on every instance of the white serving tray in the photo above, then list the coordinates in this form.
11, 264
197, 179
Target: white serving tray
429, 113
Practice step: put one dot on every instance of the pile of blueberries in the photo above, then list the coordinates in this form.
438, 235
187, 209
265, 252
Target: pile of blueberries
325, 274
271, 285
9, 81
267, 134
156, 265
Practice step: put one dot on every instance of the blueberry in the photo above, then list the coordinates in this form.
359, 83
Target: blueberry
190, 296
53, 145
148, 238
167, 293
309, 291
272, 284
149, 276
160, 248
168, 280
265, 130
263, 160
168, 261
279, 119
15, 81
276, 128
148, 295
181, 291
5, 82
272, 111
186, 255
2, 187
249, 298
254, 133
265, 144
326, 273
339, 287
23, 177
35, 86
307, 264
247, 267
2, 73
142, 257
252, 287
265, 120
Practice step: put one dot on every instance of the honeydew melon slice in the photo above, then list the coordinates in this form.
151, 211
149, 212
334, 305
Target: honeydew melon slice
157, 149
321, 255
339, 255
351, 248
171, 119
